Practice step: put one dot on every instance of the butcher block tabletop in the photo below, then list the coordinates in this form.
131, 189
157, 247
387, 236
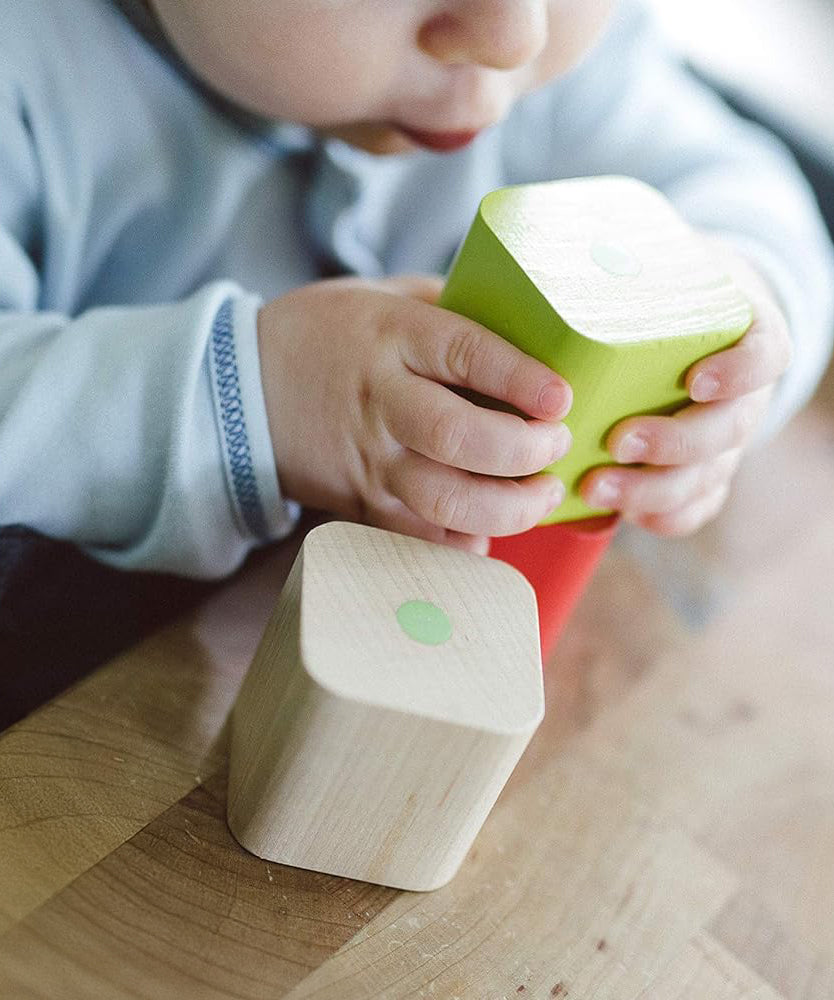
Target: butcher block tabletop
668, 834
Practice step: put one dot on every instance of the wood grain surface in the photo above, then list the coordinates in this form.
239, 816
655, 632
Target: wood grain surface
668, 835
616, 261
358, 751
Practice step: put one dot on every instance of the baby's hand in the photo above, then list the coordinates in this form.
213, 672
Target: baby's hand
688, 459
363, 424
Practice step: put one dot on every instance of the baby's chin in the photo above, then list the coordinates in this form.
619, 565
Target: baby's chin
379, 139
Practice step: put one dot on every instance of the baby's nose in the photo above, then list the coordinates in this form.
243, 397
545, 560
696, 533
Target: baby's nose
501, 34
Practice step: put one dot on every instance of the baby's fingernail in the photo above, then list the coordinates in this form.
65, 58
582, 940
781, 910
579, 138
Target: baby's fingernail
632, 448
605, 493
562, 440
553, 399
704, 387
556, 490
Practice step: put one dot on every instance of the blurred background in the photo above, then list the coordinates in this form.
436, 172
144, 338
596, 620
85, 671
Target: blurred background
774, 61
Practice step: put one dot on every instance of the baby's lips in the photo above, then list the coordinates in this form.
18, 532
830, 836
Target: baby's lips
441, 142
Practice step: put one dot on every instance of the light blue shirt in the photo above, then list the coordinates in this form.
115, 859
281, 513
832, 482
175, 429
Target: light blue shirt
141, 226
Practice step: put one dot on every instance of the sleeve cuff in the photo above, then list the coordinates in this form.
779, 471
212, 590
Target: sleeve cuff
251, 477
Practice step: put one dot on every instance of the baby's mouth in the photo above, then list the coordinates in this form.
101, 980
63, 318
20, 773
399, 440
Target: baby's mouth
442, 142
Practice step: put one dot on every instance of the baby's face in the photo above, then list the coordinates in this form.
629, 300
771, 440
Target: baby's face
388, 76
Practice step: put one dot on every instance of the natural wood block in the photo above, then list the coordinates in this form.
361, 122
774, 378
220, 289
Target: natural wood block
600, 279
360, 750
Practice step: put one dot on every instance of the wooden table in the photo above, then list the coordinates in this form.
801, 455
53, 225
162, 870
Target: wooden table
669, 833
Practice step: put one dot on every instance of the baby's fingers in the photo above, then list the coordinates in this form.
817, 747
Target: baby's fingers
688, 518
465, 502
430, 419
451, 349
757, 361
643, 491
393, 515
694, 434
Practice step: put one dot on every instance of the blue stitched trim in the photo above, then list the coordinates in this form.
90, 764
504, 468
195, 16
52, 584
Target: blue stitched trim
234, 424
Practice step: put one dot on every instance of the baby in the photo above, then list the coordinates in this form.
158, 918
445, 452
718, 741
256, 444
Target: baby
222, 233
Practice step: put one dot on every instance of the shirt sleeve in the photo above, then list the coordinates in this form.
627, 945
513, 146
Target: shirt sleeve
137, 432
631, 108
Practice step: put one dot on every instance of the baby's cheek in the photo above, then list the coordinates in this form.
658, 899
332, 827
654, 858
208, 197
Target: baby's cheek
575, 27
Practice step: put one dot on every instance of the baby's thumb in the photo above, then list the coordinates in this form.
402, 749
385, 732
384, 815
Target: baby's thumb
426, 287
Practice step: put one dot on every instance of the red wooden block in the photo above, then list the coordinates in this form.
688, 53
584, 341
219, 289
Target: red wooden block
558, 560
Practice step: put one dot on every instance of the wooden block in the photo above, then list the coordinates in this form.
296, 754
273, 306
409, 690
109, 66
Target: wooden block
559, 561
600, 279
396, 686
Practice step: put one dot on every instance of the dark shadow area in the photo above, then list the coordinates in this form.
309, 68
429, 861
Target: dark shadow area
62, 614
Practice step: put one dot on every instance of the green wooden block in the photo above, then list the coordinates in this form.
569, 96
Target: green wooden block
602, 280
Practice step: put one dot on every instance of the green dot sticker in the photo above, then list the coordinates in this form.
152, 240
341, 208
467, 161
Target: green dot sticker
616, 259
424, 622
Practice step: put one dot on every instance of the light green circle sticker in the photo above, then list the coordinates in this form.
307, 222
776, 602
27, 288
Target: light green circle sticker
616, 259
425, 622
